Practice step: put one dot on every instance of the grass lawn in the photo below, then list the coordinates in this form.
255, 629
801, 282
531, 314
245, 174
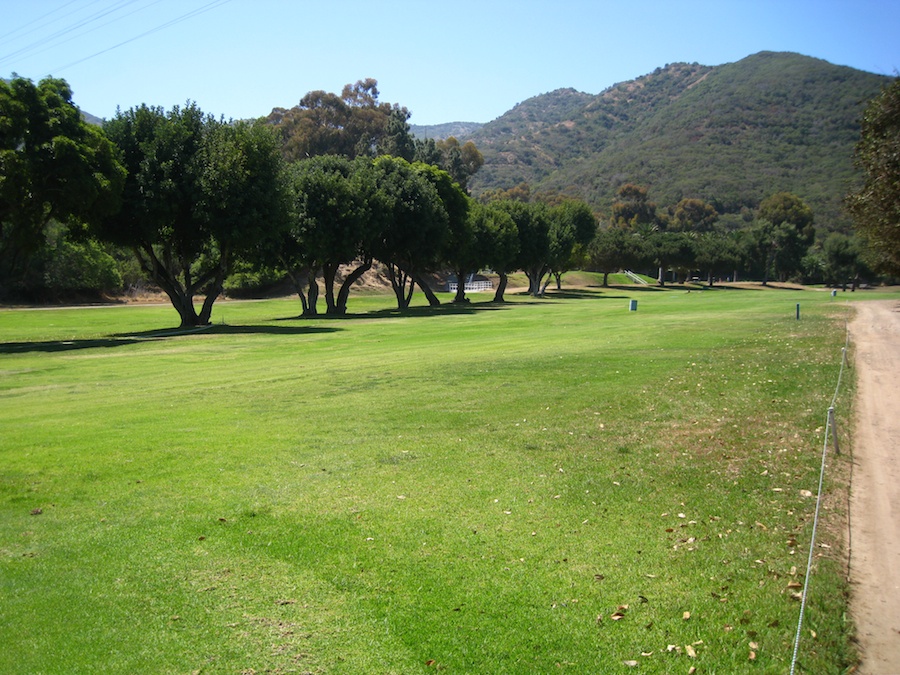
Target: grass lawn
547, 486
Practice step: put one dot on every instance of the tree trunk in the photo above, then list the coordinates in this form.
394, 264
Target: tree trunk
433, 300
460, 297
606, 280
329, 271
661, 276
399, 279
312, 294
558, 276
344, 293
501, 287
296, 278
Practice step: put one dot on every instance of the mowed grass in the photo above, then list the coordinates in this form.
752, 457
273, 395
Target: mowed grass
558, 485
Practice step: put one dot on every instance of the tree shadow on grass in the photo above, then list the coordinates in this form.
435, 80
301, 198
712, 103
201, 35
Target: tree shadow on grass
124, 339
444, 309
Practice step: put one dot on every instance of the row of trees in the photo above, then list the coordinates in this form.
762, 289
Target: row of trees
338, 181
192, 197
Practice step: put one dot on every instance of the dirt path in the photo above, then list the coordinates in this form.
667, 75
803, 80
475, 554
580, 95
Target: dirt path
875, 489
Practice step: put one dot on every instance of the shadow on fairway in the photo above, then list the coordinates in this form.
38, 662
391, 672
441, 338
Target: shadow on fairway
444, 309
123, 339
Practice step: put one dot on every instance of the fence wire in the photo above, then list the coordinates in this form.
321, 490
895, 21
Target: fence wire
829, 431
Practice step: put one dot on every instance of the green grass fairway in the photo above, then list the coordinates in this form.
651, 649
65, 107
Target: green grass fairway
556, 485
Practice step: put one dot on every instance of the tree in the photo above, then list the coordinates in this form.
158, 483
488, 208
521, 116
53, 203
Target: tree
199, 194
784, 234
328, 221
842, 260
532, 222
693, 215
669, 250
353, 124
632, 206
613, 249
409, 224
875, 206
503, 244
572, 228
715, 253
53, 166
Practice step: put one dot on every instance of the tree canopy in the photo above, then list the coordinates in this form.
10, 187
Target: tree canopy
199, 194
53, 166
876, 205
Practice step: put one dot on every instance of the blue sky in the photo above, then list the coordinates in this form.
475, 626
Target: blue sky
445, 61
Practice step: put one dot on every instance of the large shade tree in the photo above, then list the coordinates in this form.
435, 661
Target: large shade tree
876, 205
53, 167
408, 226
329, 216
200, 193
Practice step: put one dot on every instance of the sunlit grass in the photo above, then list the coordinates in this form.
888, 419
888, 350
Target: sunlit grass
478, 489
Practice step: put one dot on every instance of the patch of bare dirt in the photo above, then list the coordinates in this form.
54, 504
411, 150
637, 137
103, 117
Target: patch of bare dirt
875, 487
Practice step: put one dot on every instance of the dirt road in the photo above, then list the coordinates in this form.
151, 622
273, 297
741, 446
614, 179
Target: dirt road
875, 488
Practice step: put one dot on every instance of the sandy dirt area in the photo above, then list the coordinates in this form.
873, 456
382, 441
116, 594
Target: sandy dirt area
875, 487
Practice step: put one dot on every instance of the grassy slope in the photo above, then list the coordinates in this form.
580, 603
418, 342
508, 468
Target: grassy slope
468, 489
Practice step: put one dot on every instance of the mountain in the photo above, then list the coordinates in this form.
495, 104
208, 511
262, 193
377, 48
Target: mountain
442, 131
730, 134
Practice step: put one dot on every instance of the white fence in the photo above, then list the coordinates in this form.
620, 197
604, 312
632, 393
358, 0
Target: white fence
472, 286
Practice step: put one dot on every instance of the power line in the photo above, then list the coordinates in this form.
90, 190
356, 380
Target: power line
72, 30
50, 41
184, 17
44, 16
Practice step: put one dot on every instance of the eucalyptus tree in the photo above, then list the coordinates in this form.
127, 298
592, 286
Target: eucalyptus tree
199, 194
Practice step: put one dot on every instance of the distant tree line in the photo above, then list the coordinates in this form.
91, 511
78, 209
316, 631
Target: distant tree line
337, 183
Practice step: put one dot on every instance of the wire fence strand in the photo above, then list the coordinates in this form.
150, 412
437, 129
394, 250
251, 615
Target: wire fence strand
829, 429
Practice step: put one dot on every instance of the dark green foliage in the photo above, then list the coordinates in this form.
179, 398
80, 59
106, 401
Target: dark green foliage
328, 227
876, 206
729, 135
200, 194
53, 167
409, 225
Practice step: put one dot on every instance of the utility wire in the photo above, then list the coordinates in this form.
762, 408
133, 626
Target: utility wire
40, 18
184, 17
50, 41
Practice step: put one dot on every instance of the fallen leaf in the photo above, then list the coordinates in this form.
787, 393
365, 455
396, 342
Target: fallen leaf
806, 493
631, 664
598, 577
617, 615
686, 616
692, 670
795, 584
37, 512
754, 646
690, 651
752, 656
